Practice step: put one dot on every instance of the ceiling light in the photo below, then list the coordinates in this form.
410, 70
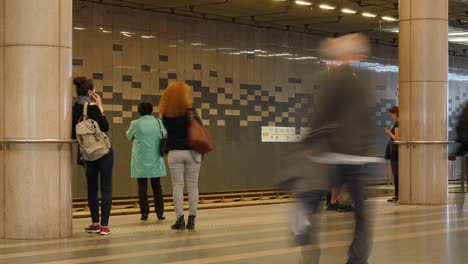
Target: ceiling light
458, 39
458, 34
127, 34
327, 7
303, 2
148, 37
79, 28
197, 44
348, 11
389, 18
366, 14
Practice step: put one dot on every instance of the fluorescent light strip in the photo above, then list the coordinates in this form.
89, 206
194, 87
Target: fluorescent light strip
367, 14
303, 2
348, 11
327, 7
388, 18
79, 28
458, 34
458, 40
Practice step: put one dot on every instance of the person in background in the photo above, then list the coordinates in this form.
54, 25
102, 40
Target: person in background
462, 131
99, 170
147, 161
176, 108
394, 134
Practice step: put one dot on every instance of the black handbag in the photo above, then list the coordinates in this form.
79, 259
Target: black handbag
163, 147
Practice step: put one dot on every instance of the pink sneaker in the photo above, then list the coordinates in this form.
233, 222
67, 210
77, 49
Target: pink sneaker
93, 229
104, 231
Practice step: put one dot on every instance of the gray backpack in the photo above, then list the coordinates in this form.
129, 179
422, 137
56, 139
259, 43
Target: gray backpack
93, 143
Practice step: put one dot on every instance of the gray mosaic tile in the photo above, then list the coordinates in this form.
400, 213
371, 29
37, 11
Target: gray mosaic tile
163, 58
98, 76
163, 83
172, 75
197, 66
117, 47
136, 84
77, 62
228, 80
145, 68
107, 89
213, 74
127, 78
381, 87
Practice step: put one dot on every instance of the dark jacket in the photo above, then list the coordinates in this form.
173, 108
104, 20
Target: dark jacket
462, 131
177, 131
343, 115
462, 125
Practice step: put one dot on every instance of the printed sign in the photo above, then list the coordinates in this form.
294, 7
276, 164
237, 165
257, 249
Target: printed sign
284, 134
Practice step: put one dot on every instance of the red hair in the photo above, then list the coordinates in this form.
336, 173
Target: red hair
395, 110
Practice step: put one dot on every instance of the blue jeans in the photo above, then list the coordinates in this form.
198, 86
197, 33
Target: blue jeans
95, 170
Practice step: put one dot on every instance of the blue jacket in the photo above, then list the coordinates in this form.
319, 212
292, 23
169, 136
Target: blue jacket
147, 161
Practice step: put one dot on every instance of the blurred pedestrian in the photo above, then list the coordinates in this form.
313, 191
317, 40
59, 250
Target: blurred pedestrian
337, 146
147, 162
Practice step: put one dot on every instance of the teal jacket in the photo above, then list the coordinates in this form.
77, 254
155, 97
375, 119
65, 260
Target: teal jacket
147, 161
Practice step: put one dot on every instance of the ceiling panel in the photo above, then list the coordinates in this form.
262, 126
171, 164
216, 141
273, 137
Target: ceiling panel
285, 15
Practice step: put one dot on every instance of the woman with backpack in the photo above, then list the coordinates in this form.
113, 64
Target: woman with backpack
176, 109
147, 162
98, 160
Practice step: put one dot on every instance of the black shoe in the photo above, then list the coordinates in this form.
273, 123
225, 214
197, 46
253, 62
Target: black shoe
346, 208
333, 207
179, 224
191, 222
144, 217
393, 200
161, 217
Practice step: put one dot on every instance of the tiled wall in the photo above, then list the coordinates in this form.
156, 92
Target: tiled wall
242, 78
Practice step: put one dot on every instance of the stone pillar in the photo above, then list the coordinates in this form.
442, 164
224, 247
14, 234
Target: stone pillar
423, 56
35, 101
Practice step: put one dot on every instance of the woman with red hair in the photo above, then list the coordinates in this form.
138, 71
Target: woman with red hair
176, 107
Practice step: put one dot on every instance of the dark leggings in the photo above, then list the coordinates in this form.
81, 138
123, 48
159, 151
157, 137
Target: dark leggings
394, 164
143, 196
95, 170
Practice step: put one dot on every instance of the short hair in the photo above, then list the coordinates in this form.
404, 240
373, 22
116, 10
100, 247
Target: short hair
145, 108
394, 110
83, 85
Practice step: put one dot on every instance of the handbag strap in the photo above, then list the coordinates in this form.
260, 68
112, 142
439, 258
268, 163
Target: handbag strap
160, 128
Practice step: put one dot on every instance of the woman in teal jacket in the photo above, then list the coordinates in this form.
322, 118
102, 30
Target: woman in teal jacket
147, 162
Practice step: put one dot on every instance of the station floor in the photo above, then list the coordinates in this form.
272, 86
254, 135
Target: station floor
259, 234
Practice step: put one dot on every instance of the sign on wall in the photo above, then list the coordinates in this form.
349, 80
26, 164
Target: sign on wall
284, 134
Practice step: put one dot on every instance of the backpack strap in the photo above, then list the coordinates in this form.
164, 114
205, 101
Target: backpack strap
85, 109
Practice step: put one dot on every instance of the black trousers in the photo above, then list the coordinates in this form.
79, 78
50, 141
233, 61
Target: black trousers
143, 196
100, 170
394, 165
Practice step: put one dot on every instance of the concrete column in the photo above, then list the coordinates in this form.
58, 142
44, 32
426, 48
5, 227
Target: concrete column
423, 56
35, 97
